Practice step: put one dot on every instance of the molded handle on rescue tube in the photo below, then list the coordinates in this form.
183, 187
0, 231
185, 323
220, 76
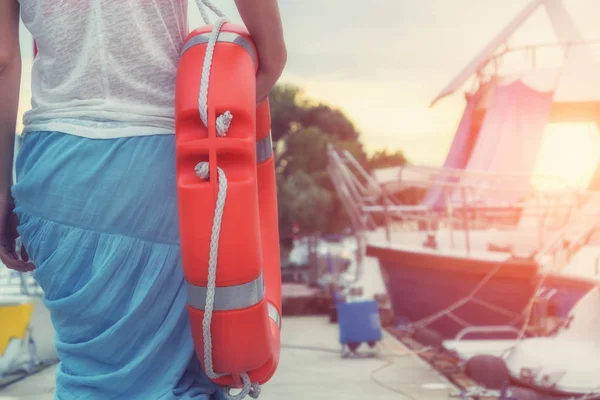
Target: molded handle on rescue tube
247, 312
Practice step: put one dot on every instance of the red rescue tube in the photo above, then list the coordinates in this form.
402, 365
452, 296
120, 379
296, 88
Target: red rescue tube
243, 336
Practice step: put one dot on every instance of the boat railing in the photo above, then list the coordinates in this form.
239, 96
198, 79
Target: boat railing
532, 56
582, 223
461, 201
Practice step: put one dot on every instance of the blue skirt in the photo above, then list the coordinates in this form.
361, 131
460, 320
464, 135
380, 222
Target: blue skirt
99, 220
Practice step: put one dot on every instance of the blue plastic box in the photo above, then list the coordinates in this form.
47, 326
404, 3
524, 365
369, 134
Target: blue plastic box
359, 322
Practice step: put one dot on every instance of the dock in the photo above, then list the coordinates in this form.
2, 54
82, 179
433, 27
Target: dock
311, 367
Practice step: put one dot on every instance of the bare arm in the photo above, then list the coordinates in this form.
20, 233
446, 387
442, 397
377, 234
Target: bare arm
263, 21
10, 80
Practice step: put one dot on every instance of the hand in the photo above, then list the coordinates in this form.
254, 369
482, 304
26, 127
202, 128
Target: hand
263, 21
8, 239
272, 59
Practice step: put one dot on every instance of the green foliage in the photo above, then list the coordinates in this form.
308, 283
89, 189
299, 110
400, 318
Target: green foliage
291, 110
385, 159
329, 120
304, 202
306, 150
302, 130
286, 109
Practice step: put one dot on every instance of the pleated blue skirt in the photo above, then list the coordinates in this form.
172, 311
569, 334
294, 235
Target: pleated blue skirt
99, 220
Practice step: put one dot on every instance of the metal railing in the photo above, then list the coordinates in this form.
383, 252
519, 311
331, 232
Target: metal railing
564, 220
531, 56
464, 202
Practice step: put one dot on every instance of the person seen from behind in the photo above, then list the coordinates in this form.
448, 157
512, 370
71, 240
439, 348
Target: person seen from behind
95, 199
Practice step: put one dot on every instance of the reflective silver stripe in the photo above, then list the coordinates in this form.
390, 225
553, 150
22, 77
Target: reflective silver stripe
264, 149
224, 37
274, 315
228, 297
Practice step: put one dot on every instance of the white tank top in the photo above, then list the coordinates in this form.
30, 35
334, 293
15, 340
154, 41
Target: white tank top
105, 68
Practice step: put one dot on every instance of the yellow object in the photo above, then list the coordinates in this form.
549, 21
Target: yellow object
14, 320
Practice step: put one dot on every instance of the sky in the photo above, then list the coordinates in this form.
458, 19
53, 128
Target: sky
383, 61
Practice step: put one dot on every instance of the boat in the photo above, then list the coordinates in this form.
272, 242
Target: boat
484, 258
491, 247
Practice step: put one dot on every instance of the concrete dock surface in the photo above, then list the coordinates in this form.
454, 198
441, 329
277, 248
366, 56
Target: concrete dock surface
311, 367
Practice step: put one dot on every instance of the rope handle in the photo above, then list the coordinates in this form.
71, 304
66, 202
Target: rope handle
224, 120
203, 4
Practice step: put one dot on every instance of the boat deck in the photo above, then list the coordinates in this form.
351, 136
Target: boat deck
312, 367
454, 243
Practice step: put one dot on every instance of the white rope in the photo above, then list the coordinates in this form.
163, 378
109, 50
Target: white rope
203, 171
459, 303
253, 390
223, 121
207, 3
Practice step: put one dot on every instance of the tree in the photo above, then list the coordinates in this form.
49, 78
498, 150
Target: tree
287, 106
303, 202
302, 130
330, 120
291, 110
306, 150
304, 185
385, 159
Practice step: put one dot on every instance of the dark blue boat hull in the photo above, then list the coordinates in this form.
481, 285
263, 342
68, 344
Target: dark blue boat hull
421, 284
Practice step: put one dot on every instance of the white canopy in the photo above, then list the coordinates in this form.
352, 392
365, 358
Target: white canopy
566, 32
573, 82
